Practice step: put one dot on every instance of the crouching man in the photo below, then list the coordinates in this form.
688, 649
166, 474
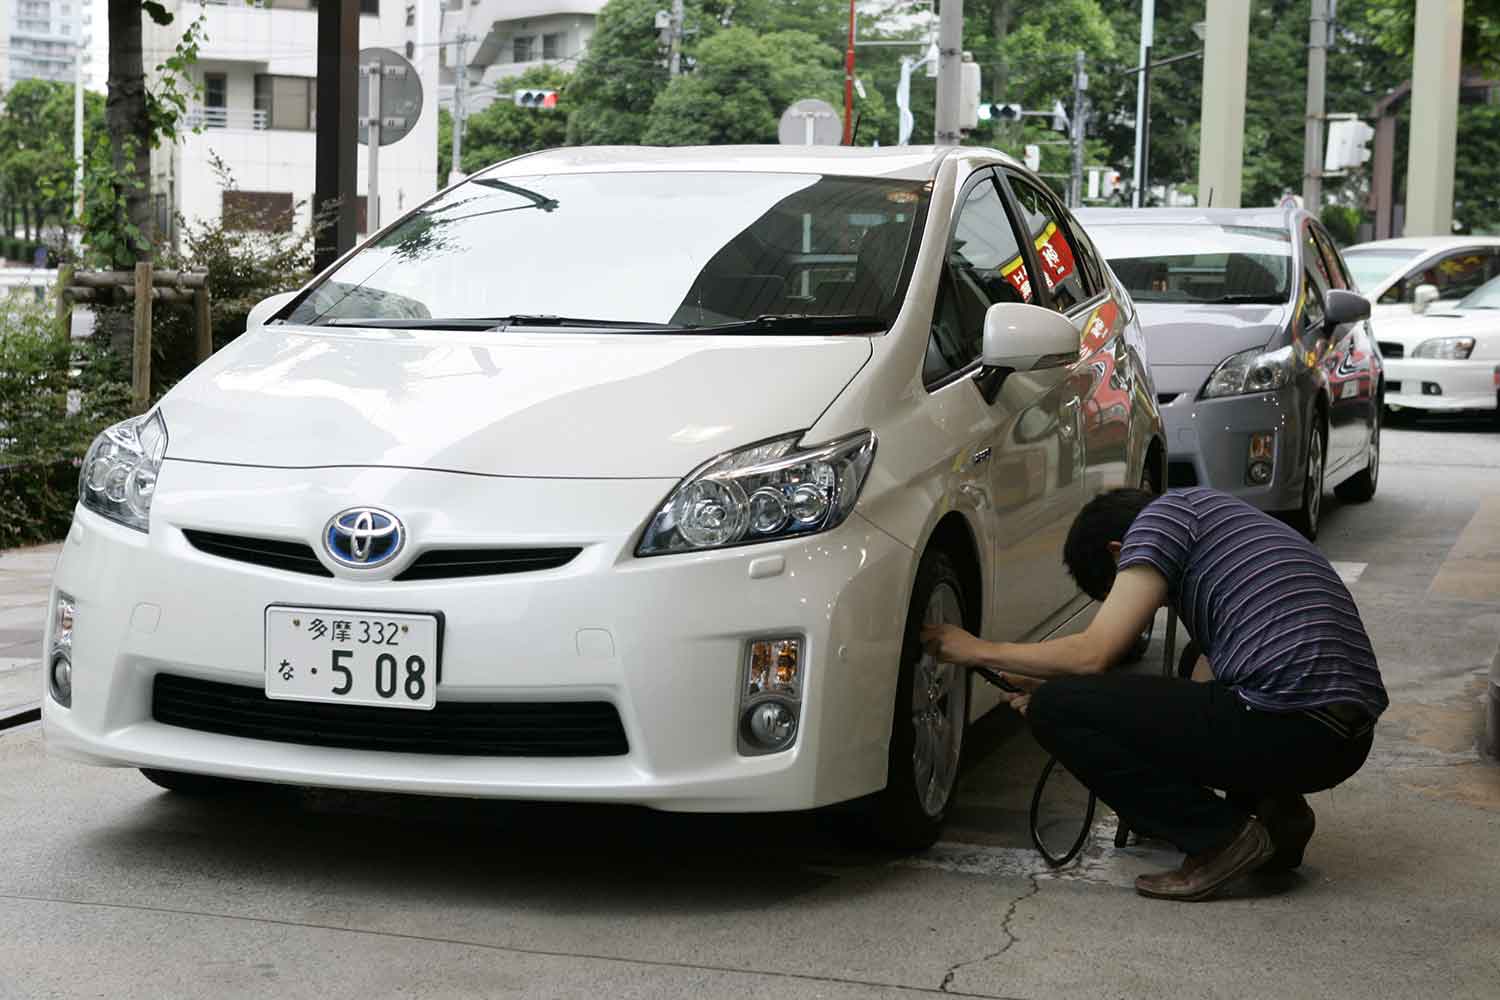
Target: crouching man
1290, 707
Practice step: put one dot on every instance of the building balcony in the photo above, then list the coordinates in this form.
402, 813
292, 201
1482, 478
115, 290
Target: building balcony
244, 120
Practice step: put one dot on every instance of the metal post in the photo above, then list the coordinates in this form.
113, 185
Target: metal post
1221, 146
1079, 129
849, 81
203, 330
78, 128
1434, 117
674, 58
950, 72
337, 132
460, 110
1143, 102
140, 351
1312, 143
372, 185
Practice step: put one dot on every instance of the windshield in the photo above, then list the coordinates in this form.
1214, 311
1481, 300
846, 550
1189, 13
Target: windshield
1486, 296
1199, 263
663, 250
1371, 267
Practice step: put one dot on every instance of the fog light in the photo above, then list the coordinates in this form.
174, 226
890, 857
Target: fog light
1261, 458
1260, 473
770, 725
63, 614
62, 680
1431, 389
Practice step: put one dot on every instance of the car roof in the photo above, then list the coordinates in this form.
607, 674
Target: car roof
1265, 218
1426, 243
899, 162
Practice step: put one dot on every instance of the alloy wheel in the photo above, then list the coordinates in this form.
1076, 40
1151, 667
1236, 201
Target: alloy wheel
939, 710
1314, 484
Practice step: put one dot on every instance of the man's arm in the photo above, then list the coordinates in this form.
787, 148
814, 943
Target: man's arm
1129, 608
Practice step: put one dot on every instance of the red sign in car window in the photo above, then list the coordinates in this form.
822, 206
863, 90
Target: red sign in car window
1057, 262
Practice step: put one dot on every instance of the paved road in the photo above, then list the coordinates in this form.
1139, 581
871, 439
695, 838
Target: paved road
109, 887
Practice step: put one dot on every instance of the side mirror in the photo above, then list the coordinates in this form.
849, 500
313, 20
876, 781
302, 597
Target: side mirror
1023, 338
1424, 296
266, 308
1342, 307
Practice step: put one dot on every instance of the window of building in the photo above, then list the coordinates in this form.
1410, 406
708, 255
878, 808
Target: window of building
215, 90
258, 211
552, 46
291, 4
289, 102
369, 8
411, 15
521, 48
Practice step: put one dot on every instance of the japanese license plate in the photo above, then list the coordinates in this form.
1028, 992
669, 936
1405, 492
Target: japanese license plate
383, 658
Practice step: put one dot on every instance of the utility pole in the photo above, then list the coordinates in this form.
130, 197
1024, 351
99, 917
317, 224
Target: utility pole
1079, 129
374, 71
1143, 103
950, 72
849, 81
460, 108
1312, 143
78, 125
674, 51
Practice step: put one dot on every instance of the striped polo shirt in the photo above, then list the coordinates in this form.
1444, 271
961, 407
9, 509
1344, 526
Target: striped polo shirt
1274, 619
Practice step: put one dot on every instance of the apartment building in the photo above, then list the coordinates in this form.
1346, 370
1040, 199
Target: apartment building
257, 111
509, 37
40, 39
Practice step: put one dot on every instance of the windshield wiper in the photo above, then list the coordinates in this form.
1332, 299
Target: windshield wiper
1248, 298
798, 323
492, 323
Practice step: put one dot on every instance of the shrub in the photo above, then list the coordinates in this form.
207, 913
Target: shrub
43, 437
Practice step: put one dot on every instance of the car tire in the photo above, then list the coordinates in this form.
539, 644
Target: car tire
196, 785
927, 722
1360, 487
1306, 518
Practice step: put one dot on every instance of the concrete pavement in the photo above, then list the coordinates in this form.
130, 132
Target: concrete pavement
110, 887
24, 577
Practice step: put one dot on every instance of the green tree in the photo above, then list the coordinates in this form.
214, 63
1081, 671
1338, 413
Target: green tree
741, 84
36, 152
619, 80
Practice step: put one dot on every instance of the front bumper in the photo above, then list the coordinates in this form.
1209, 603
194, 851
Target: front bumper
1422, 384
1208, 444
662, 639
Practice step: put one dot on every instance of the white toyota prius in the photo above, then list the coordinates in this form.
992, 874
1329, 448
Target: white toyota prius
620, 475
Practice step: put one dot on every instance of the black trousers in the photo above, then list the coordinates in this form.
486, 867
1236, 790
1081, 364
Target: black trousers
1154, 749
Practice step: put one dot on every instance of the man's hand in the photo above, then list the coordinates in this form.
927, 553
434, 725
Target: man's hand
1019, 700
951, 644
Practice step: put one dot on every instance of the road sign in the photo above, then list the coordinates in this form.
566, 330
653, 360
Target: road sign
810, 122
400, 96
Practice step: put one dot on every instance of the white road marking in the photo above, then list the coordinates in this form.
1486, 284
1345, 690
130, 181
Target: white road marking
1349, 572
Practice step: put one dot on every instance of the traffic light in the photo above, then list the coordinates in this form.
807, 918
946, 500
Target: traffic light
1348, 140
1005, 112
544, 100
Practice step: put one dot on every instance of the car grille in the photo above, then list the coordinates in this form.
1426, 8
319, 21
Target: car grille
461, 728
434, 564
1392, 349
1181, 474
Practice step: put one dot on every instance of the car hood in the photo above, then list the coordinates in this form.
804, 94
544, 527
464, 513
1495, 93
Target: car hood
554, 404
1411, 330
1185, 342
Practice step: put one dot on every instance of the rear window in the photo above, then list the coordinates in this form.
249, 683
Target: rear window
1199, 263
1371, 267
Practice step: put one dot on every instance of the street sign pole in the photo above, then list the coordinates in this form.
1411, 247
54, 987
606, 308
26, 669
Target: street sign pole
950, 72
1079, 126
372, 187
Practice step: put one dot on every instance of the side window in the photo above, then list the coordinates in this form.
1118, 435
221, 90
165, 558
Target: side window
1088, 257
1455, 274
1312, 307
1313, 259
1043, 223
984, 267
1332, 266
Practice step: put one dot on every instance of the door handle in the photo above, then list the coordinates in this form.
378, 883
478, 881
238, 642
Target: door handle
981, 456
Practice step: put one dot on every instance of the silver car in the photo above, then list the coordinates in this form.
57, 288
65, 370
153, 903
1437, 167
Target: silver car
1269, 379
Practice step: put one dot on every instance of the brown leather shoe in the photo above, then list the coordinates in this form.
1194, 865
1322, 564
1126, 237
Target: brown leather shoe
1204, 874
1290, 822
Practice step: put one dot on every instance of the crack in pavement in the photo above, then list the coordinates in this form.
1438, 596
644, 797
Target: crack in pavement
1010, 936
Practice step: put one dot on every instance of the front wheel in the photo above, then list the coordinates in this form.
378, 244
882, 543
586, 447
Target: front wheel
927, 724
1305, 519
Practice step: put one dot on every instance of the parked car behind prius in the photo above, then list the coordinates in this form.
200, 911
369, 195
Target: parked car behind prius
1261, 353
622, 475
1409, 275
1445, 359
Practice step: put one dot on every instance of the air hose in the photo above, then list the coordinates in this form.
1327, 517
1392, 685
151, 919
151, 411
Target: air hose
1169, 668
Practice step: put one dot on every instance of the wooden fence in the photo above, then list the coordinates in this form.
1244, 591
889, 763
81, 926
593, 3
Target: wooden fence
147, 287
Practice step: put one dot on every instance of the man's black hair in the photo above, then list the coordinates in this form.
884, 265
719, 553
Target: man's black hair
1103, 519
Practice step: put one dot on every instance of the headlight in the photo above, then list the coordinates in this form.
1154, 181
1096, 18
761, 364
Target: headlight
1445, 348
766, 491
120, 470
1255, 370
